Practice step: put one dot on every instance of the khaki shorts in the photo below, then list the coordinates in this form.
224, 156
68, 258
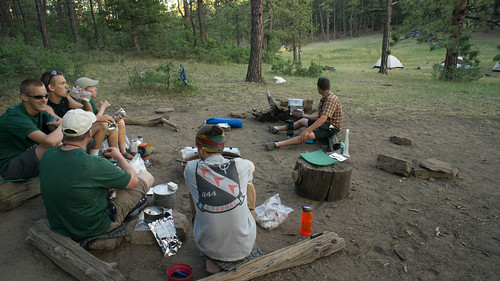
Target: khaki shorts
126, 200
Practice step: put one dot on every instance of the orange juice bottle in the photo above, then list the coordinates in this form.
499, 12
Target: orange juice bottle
306, 223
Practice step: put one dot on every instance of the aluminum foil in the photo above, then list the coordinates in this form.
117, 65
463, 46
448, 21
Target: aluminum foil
164, 231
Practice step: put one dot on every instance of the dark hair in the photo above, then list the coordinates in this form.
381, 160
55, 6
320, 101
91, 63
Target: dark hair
324, 83
28, 84
210, 130
47, 77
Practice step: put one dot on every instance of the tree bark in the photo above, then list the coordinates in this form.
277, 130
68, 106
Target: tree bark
135, 39
385, 39
60, 15
304, 252
450, 62
343, 19
72, 19
5, 18
40, 10
201, 18
96, 32
25, 24
254, 72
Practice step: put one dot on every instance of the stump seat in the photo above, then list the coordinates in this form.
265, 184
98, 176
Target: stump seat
322, 183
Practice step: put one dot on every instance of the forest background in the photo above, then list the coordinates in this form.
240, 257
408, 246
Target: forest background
66, 35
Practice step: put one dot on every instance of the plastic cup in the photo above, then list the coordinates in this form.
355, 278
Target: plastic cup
179, 272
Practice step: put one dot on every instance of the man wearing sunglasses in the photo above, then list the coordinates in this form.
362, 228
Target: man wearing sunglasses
61, 102
21, 135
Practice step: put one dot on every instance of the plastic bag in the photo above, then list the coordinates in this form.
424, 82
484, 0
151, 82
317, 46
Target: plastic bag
272, 213
138, 164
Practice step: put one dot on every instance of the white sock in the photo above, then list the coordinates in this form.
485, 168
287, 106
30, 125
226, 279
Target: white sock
94, 151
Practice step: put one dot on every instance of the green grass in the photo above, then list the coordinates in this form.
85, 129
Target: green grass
361, 89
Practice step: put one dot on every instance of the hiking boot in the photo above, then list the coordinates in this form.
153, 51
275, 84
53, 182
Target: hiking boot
137, 208
272, 130
271, 146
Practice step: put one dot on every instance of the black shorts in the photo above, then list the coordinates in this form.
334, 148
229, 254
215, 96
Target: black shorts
324, 131
22, 166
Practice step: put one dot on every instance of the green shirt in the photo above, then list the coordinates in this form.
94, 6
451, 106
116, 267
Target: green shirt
74, 187
92, 104
15, 126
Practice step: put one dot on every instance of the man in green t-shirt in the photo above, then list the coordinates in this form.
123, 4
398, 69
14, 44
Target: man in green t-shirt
23, 141
75, 185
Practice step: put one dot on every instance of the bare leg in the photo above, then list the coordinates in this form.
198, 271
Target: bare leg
295, 140
99, 132
122, 137
113, 138
296, 125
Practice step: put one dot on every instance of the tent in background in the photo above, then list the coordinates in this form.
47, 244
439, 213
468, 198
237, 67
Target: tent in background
461, 62
496, 67
392, 62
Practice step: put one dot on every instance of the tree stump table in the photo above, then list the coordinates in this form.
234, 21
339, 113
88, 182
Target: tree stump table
322, 183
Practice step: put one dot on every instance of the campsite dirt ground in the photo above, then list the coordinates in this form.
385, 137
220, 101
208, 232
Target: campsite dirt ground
442, 229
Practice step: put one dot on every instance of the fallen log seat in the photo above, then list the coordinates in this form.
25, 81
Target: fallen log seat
13, 194
69, 256
322, 183
301, 253
153, 122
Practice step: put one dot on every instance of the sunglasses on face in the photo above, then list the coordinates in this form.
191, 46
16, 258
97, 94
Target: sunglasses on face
39, 97
52, 74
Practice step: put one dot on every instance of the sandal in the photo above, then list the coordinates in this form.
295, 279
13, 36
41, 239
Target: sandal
272, 130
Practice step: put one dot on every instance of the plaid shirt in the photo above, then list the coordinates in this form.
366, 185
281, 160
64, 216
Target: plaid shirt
330, 106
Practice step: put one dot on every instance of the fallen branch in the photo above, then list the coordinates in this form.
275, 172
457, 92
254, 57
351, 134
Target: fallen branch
153, 122
69, 256
301, 253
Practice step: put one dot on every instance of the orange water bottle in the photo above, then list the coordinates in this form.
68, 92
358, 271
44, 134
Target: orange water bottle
307, 217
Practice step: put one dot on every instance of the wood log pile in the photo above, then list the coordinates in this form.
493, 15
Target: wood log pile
279, 110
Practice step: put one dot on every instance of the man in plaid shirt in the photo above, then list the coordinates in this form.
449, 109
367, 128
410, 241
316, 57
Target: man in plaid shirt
326, 123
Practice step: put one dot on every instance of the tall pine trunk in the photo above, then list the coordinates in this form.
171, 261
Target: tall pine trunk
385, 39
254, 72
40, 10
72, 19
96, 33
201, 18
450, 62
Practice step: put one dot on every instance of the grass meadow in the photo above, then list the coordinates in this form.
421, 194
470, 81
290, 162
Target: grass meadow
359, 86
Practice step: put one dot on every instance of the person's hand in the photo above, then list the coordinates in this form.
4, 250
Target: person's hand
105, 104
303, 136
55, 123
105, 118
118, 118
113, 152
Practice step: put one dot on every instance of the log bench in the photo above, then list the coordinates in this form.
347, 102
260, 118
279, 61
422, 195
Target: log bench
13, 194
304, 252
69, 255
322, 183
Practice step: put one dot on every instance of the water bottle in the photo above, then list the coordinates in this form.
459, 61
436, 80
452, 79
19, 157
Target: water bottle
306, 222
346, 144
81, 94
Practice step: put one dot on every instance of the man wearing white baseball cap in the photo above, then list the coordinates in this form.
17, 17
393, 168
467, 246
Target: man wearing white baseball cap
75, 185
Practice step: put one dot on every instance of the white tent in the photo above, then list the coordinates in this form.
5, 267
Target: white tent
496, 67
392, 62
460, 62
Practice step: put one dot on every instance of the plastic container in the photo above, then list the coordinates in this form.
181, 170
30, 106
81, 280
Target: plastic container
80, 94
179, 272
306, 221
